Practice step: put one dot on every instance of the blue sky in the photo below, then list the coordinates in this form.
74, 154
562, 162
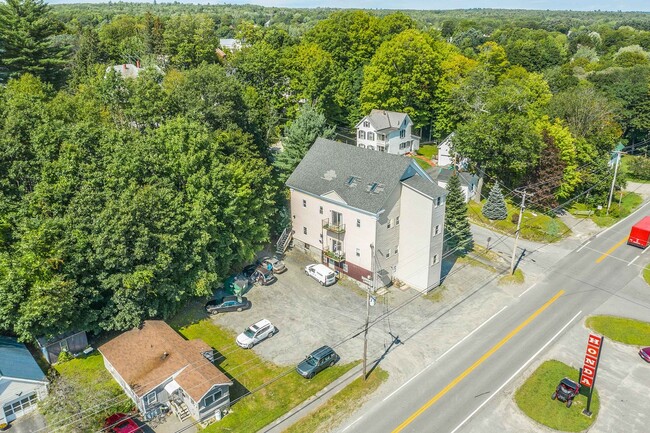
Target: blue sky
576, 5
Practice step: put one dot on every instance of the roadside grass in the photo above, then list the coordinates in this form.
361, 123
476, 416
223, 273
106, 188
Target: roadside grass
474, 262
534, 399
621, 329
629, 202
428, 150
340, 405
437, 294
646, 274
534, 226
516, 278
261, 391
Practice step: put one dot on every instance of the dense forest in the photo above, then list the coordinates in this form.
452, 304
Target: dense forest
121, 198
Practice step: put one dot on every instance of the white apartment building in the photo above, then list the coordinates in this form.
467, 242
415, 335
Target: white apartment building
350, 207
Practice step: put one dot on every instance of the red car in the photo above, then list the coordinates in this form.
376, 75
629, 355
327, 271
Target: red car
645, 354
120, 423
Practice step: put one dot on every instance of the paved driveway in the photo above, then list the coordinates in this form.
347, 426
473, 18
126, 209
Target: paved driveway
309, 315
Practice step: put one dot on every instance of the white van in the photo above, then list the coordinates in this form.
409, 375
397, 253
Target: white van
321, 273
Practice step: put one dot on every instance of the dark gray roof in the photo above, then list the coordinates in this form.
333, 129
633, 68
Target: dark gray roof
383, 119
351, 172
17, 362
444, 173
426, 187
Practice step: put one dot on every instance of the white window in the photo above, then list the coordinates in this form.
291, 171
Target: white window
381, 148
397, 220
321, 210
434, 259
358, 222
358, 252
402, 133
210, 399
396, 249
150, 398
366, 124
381, 137
438, 201
436, 230
304, 203
304, 230
344, 267
371, 136
362, 134
388, 253
390, 223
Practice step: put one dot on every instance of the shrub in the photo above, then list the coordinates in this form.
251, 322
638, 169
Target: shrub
515, 218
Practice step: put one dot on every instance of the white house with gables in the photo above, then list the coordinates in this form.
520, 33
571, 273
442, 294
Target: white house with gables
345, 199
387, 131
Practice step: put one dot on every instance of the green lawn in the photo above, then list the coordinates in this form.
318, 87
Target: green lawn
535, 226
428, 150
646, 274
340, 405
421, 163
82, 383
277, 388
516, 278
627, 331
534, 399
629, 202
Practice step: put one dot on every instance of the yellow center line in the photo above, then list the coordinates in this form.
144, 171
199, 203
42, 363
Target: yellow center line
465, 373
611, 250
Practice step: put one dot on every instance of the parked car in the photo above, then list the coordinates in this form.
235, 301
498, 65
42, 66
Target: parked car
255, 333
228, 303
120, 423
321, 273
317, 361
645, 354
249, 270
566, 390
263, 276
277, 265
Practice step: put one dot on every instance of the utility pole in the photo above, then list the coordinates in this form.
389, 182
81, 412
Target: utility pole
365, 332
521, 214
611, 191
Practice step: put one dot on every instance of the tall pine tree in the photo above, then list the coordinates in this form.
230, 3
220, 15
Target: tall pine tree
457, 228
26, 45
495, 206
300, 135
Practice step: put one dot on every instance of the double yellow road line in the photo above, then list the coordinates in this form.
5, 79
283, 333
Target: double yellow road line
473, 367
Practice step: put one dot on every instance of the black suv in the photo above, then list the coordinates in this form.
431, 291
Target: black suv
228, 303
318, 360
566, 390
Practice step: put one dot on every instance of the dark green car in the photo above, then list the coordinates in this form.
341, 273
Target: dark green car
317, 361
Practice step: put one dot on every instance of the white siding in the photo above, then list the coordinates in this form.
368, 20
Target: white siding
418, 245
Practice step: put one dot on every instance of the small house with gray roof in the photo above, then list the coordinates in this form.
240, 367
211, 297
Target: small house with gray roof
22, 382
387, 131
350, 207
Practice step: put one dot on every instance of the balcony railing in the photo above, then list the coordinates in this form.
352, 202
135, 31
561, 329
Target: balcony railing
338, 256
334, 228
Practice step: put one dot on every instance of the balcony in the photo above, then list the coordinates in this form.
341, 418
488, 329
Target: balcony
334, 228
337, 256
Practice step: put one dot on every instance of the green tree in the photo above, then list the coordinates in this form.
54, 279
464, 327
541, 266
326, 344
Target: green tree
495, 206
191, 40
458, 233
404, 75
299, 136
26, 46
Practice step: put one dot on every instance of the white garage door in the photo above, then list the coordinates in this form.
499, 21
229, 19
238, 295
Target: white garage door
20, 407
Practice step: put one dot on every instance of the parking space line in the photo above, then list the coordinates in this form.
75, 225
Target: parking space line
516, 373
634, 260
448, 350
353, 423
583, 245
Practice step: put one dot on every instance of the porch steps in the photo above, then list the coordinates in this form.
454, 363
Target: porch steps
181, 410
284, 241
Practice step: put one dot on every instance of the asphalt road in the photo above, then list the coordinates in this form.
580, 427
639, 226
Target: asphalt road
457, 385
